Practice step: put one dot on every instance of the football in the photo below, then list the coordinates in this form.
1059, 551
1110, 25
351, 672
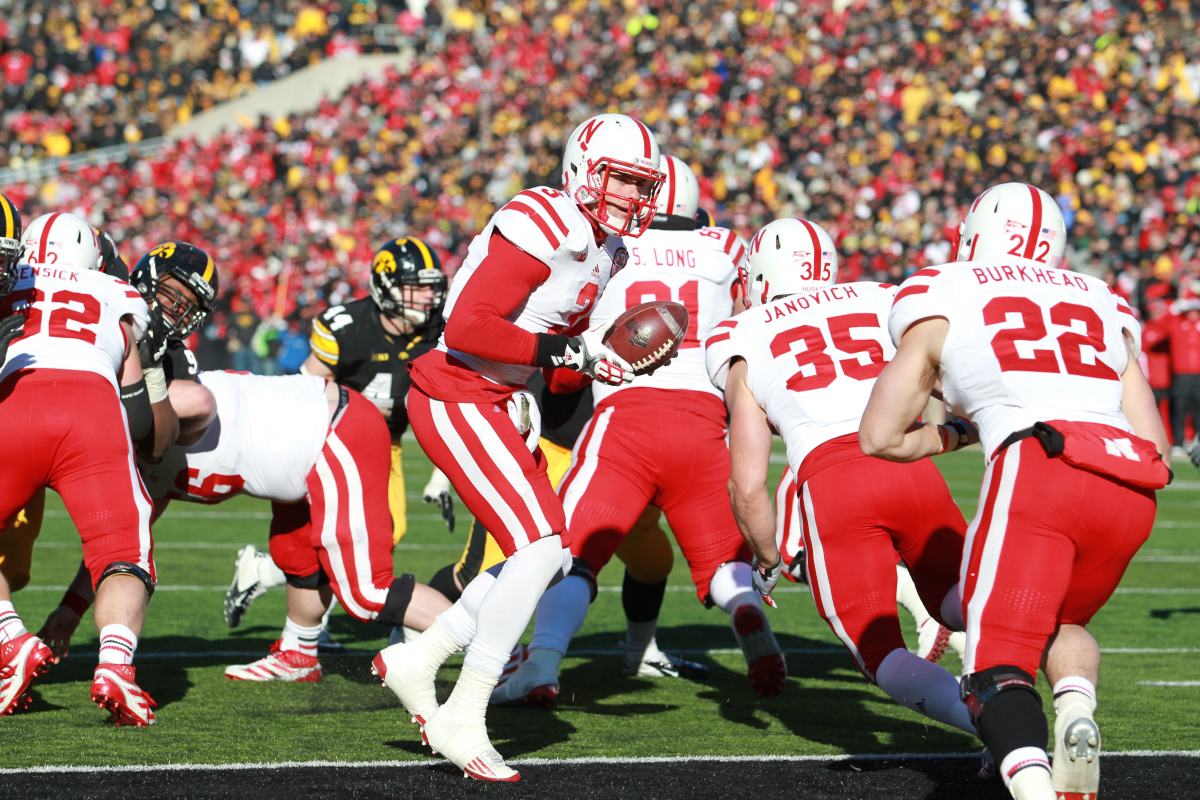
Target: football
648, 335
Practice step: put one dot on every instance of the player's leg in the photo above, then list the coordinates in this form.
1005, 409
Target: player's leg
16, 544
397, 501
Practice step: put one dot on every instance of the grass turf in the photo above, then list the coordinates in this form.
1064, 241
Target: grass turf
827, 707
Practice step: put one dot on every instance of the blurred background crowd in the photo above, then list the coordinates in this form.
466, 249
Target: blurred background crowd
879, 119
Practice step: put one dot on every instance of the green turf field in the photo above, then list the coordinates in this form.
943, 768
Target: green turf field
1151, 630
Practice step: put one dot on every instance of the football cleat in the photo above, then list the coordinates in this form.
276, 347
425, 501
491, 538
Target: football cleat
21, 660
518, 656
1076, 765
765, 666
932, 639
465, 744
534, 683
114, 689
657, 664
246, 586
278, 665
409, 672
957, 642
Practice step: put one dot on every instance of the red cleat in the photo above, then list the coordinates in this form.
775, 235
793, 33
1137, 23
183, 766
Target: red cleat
114, 688
21, 660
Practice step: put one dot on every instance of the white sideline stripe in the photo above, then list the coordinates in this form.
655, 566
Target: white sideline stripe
1168, 683
560, 762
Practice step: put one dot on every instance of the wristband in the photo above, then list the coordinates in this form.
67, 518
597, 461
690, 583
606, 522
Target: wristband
156, 384
551, 349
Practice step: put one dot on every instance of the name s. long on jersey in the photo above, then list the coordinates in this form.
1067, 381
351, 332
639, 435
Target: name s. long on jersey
73, 320
687, 267
267, 436
1027, 343
811, 359
549, 226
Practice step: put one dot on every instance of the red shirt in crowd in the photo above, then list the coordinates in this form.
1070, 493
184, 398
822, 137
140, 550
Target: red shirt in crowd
1181, 335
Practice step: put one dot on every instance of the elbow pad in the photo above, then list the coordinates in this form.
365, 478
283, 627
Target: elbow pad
137, 409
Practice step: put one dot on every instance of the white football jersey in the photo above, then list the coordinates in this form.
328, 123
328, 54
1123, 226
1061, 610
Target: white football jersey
73, 320
267, 436
1026, 343
548, 225
689, 267
811, 359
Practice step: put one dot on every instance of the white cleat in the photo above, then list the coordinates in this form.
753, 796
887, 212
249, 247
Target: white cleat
654, 663
465, 744
932, 640
1076, 764
410, 674
533, 683
289, 666
246, 586
958, 642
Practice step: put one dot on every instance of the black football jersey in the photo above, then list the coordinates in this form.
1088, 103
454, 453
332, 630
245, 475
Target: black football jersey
351, 341
179, 362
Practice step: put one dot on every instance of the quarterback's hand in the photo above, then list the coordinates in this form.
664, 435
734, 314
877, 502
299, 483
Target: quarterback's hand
765, 578
153, 344
438, 491
588, 354
10, 328
57, 631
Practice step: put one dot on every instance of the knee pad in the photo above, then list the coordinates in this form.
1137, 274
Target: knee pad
126, 568
980, 689
314, 581
580, 569
398, 597
443, 581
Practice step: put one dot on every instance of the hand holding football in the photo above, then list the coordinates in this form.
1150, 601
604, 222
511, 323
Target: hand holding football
648, 335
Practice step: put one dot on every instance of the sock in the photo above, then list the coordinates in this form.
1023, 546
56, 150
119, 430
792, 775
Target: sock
269, 575
1026, 774
459, 620
300, 638
908, 598
509, 605
11, 625
560, 614
117, 644
732, 585
471, 693
952, 610
642, 602
1074, 697
925, 687
1013, 722
638, 638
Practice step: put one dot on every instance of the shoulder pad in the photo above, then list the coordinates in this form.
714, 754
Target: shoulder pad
719, 349
1128, 320
541, 221
335, 318
726, 241
918, 298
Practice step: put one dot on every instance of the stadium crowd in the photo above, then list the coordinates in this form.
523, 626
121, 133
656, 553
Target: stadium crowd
880, 119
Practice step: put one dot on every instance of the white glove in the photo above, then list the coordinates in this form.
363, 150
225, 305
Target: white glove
588, 354
526, 417
765, 579
437, 491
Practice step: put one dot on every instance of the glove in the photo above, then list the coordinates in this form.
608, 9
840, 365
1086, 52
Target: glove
526, 417
438, 491
1194, 454
11, 327
153, 344
588, 354
957, 433
765, 579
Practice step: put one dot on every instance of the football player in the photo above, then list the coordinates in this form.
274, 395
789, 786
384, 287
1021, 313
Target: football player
521, 301
659, 439
802, 361
10, 255
78, 347
1044, 361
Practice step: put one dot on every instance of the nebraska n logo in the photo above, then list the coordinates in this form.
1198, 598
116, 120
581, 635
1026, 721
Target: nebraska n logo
756, 242
589, 130
1121, 448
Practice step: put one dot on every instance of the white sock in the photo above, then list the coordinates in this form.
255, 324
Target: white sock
732, 585
560, 614
269, 575
11, 625
299, 637
509, 605
1074, 698
908, 598
471, 693
952, 609
117, 644
459, 620
1026, 774
638, 638
923, 686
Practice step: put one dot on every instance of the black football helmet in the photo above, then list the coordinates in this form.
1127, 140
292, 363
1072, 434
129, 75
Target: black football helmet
10, 244
705, 218
191, 267
401, 266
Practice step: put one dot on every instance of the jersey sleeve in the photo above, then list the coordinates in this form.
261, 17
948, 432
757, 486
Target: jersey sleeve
720, 348
1128, 321
179, 363
323, 341
543, 221
920, 297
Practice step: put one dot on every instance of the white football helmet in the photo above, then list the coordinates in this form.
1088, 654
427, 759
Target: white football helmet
63, 240
680, 192
789, 256
1013, 219
608, 145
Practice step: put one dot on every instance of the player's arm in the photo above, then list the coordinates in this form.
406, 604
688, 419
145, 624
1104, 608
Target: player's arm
196, 407
891, 426
315, 366
60, 626
1137, 400
750, 458
10, 328
152, 421
324, 347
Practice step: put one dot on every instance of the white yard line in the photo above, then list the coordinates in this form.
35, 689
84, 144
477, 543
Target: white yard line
1168, 683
